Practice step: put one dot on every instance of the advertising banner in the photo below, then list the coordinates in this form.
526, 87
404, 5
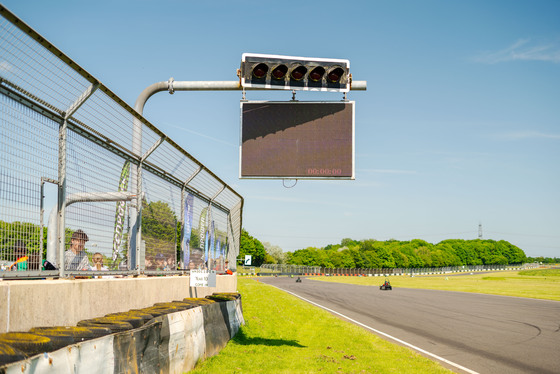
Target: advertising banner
187, 229
212, 250
121, 210
203, 234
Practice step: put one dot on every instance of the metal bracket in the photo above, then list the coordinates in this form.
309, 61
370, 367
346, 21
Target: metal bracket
81, 100
170, 86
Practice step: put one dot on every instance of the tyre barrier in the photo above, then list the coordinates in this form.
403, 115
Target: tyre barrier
79, 334
156, 311
164, 338
113, 324
135, 313
30, 344
10, 354
63, 336
223, 296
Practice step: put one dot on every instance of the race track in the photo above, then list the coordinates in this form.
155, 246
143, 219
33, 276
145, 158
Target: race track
481, 333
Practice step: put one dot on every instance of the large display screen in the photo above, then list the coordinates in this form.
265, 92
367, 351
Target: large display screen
300, 140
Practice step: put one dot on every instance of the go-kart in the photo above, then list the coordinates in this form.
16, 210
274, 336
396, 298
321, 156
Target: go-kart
386, 285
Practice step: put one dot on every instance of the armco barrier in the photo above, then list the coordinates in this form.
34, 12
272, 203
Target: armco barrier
170, 343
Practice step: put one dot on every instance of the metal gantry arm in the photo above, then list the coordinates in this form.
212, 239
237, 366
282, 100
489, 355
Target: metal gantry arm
171, 86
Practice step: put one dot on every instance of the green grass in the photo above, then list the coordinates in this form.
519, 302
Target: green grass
541, 272
283, 334
537, 284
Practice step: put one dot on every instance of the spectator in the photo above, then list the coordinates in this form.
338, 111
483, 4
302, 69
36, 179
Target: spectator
76, 258
197, 259
97, 260
149, 260
160, 262
228, 271
171, 263
20, 253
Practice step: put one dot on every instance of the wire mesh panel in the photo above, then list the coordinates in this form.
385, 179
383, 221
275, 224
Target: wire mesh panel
35, 69
26, 156
71, 156
161, 209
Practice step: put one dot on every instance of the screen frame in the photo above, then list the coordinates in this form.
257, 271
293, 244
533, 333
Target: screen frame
352, 105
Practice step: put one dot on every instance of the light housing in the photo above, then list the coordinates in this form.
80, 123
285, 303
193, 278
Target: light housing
295, 73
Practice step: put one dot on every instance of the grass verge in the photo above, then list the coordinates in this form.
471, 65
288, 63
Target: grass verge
537, 284
283, 334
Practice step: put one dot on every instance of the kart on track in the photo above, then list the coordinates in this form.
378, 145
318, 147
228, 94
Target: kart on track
386, 285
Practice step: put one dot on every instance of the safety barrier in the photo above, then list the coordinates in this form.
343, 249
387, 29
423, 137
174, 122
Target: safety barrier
181, 335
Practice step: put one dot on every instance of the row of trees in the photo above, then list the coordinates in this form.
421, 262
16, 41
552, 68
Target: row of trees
544, 260
371, 253
415, 253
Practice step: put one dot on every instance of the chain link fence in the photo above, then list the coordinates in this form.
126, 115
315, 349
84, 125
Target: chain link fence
83, 174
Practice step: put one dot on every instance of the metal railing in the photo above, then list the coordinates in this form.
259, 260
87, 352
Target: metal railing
74, 156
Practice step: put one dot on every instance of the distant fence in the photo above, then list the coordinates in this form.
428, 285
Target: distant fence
74, 156
312, 270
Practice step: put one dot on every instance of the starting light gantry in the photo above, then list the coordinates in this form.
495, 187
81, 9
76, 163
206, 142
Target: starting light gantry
294, 73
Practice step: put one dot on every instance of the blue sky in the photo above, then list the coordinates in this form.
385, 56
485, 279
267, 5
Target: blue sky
460, 124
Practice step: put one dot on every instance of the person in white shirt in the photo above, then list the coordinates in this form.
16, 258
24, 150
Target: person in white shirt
76, 258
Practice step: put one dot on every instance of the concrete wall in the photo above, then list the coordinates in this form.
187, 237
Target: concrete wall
32, 303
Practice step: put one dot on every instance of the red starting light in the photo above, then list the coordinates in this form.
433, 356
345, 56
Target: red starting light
298, 73
279, 72
260, 70
317, 74
335, 74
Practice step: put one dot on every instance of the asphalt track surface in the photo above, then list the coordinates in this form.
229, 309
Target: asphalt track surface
471, 333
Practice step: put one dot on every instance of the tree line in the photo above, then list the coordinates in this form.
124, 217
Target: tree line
544, 260
416, 253
371, 253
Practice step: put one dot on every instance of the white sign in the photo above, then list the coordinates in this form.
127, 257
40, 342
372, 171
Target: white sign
203, 278
248, 260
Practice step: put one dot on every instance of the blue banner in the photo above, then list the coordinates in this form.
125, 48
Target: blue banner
203, 238
212, 247
188, 219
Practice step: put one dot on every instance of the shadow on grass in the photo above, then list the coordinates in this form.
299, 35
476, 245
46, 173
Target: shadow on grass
242, 339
